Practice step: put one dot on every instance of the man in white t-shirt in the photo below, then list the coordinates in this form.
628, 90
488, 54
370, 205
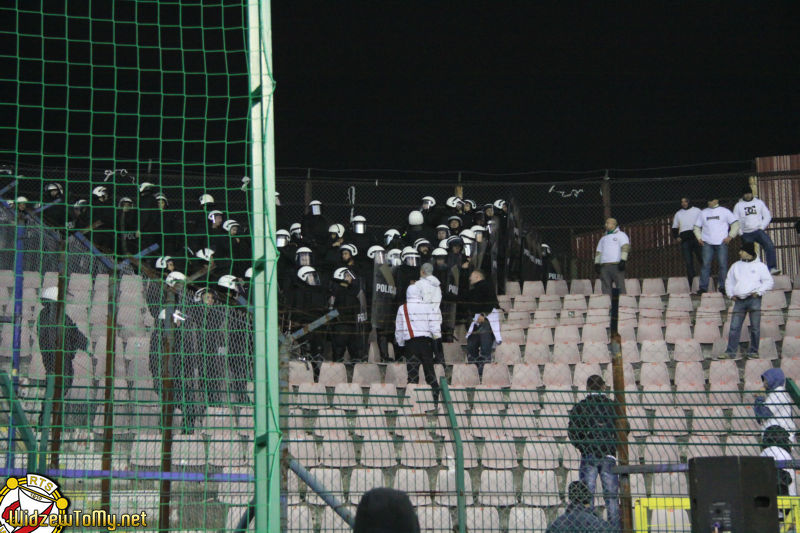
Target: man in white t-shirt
610, 257
754, 217
714, 229
683, 232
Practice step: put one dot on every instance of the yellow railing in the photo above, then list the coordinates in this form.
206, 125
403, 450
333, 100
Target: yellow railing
790, 505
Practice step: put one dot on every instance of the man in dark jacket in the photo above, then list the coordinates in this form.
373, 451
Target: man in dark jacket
578, 516
592, 430
484, 330
50, 329
384, 510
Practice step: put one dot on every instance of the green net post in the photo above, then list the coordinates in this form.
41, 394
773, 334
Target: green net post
267, 387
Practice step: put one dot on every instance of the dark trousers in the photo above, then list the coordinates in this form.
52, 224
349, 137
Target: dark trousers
691, 249
419, 350
345, 338
479, 345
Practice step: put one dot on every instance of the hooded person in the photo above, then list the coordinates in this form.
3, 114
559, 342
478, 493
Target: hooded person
417, 325
579, 517
484, 328
384, 510
49, 329
775, 409
776, 443
431, 289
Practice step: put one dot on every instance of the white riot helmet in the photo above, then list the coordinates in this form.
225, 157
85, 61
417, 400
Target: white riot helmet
393, 256
124, 200
50, 293
499, 204
161, 196
421, 242
205, 254
282, 237
467, 234
315, 206
390, 235
455, 218
428, 202
308, 275
198, 295
442, 228
227, 282
296, 229
453, 202
228, 224
410, 256
248, 274
443, 243
162, 261
359, 224
546, 249
479, 232
144, 186
177, 316
80, 204
337, 229
471, 203
206, 199
377, 254
302, 257
415, 218
55, 187
212, 214
439, 252
277, 198
343, 273
100, 191
174, 277
349, 248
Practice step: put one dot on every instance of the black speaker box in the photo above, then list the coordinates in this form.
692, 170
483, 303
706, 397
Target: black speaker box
734, 494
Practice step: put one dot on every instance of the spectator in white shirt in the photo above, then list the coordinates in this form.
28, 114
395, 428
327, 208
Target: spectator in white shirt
416, 325
747, 281
714, 229
754, 217
683, 232
610, 257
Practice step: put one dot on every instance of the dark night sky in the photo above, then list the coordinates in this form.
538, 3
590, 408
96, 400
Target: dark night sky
490, 86
534, 85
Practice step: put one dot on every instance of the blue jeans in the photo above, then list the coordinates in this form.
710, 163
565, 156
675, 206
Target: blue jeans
479, 345
709, 251
752, 305
690, 249
590, 467
760, 236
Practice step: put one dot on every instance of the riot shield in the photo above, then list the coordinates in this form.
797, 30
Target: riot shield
494, 252
449, 301
479, 250
383, 295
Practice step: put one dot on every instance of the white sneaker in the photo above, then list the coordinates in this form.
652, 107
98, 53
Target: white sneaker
774, 271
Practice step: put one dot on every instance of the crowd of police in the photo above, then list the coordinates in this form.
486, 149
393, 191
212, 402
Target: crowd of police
326, 265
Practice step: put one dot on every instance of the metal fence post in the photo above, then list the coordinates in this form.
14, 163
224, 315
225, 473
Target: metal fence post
459, 449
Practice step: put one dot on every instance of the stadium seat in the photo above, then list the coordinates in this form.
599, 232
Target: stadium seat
767, 349
540, 335
594, 333
415, 483
633, 287
638, 420
418, 453
544, 318
706, 332
595, 352
499, 453
331, 479
791, 367
446, 489
599, 301
348, 396
654, 351
566, 352
566, 334
367, 419
541, 456
557, 376
432, 519
654, 374
582, 373
745, 334
574, 302
377, 450
580, 286
420, 397
330, 519
753, 368
689, 379
311, 396
630, 350
526, 376
653, 287
712, 301
708, 419
774, 299
508, 354
363, 480
795, 299
742, 445
518, 319
553, 418
667, 420
299, 372
678, 285
513, 288
520, 420
599, 317
504, 301
549, 302
571, 318
365, 374
331, 424
397, 373
703, 446
792, 328
438, 372
771, 329
687, 350
743, 421
790, 347
680, 302
537, 353
628, 301
678, 333
526, 304
482, 518
453, 353
525, 519
677, 317
465, 375
470, 454
598, 287
533, 288
496, 489
496, 375
661, 450
514, 336
540, 488
332, 373
557, 287
337, 453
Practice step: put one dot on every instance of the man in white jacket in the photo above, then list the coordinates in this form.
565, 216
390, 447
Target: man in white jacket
431, 289
416, 325
754, 217
748, 279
